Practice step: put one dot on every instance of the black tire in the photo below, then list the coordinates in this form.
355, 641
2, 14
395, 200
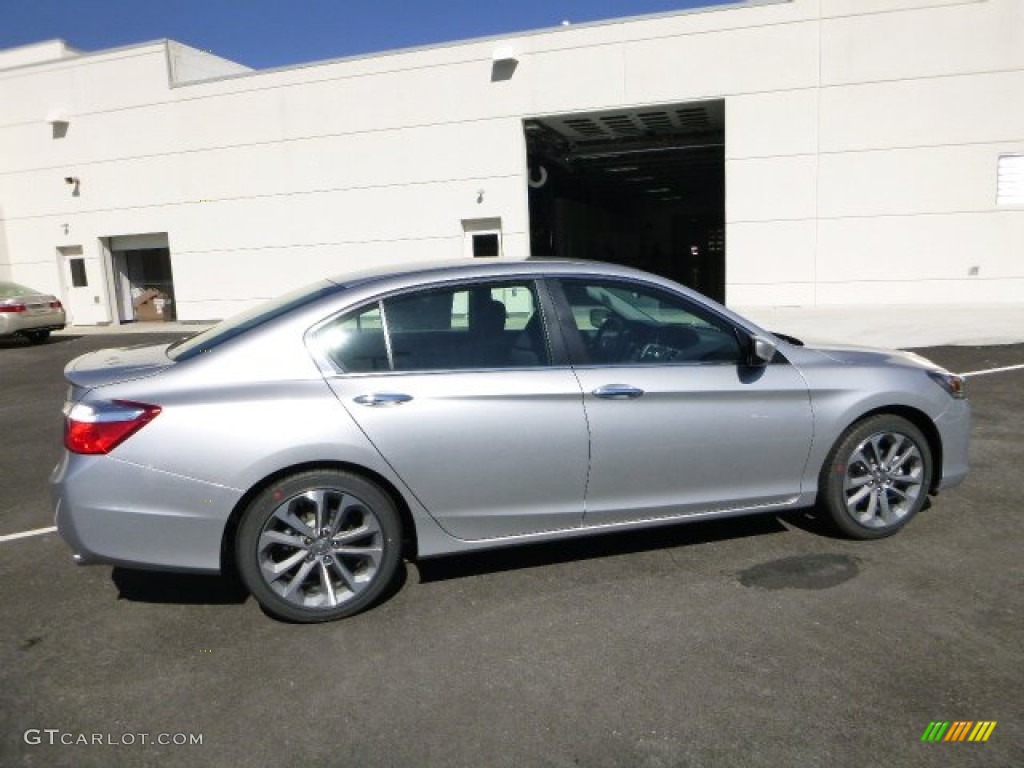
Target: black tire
37, 337
884, 457
356, 547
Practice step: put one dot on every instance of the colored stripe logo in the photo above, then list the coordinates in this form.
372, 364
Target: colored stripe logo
958, 730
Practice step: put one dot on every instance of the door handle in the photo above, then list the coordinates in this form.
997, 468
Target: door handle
383, 398
617, 392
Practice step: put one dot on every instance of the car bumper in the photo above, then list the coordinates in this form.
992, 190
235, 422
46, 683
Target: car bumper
13, 323
955, 431
118, 513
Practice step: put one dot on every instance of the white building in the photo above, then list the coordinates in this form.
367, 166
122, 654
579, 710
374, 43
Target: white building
801, 152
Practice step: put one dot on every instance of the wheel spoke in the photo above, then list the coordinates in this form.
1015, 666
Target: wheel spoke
856, 498
346, 575
369, 527
300, 576
325, 580
373, 553
858, 457
894, 490
286, 515
869, 513
277, 568
888, 515
857, 482
899, 461
876, 449
894, 449
280, 537
319, 499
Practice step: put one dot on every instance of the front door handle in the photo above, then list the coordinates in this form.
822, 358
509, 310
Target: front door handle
383, 398
617, 392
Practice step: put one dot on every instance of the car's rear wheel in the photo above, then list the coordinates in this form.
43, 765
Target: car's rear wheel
37, 337
318, 546
877, 477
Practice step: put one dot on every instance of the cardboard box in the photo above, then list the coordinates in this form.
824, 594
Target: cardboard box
151, 306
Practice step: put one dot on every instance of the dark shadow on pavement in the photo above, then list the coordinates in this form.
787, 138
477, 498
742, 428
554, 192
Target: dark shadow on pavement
12, 342
185, 588
602, 545
811, 520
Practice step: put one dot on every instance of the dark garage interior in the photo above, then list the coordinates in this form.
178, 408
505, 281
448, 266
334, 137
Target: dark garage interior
644, 188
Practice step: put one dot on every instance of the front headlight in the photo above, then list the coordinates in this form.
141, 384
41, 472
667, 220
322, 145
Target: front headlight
953, 383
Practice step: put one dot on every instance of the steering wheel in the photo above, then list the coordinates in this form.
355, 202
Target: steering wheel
612, 340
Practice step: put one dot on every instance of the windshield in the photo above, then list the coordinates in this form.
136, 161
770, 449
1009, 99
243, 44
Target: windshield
631, 305
239, 324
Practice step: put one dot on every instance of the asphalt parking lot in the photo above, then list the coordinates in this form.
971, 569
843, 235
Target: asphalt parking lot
761, 641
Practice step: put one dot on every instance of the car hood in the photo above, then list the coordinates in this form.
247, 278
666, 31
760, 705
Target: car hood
109, 366
871, 356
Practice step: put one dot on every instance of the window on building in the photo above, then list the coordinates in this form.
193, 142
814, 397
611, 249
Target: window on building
78, 278
486, 245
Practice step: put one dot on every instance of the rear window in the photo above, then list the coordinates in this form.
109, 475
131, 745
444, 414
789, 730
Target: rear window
11, 290
235, 326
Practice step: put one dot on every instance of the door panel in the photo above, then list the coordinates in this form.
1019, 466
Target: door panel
488, 453
679, 422
701, 437
455, 387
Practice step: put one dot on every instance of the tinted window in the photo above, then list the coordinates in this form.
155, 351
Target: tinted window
476, 326
626, 324
355, 342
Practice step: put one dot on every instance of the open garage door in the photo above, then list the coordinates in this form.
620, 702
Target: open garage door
643, 187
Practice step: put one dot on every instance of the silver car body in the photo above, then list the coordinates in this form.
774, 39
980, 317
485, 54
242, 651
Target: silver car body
24, 311
478, 458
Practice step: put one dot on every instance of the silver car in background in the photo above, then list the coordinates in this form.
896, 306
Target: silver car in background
313, 442
28, 313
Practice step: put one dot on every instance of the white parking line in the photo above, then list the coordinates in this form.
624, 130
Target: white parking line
994, 370
26, 534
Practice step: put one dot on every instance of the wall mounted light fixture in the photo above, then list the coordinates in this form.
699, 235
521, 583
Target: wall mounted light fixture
58, 121
503, 64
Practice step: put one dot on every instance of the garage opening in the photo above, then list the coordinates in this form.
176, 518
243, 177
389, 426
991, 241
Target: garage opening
143, 279
643, 187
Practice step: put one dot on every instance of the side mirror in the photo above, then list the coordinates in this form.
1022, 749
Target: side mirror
762, 350
598, 315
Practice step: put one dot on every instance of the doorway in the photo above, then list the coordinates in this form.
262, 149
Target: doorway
643, 187
143, 278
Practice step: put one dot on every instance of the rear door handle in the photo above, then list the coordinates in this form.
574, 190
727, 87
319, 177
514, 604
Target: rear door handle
617, 392
383, 399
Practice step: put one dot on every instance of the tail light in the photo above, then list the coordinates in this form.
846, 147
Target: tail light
55, 304
12, 307
102, 426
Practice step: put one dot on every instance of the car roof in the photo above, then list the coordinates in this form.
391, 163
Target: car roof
442, 270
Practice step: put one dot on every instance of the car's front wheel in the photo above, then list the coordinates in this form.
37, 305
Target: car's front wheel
877, 477
318, 546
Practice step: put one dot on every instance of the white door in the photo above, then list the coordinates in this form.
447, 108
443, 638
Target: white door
84, 287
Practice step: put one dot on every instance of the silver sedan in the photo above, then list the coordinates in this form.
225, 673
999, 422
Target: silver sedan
28, 313
315, 441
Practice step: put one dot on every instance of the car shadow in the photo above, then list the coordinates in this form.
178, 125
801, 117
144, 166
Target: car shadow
184, 588
596, 546
213, 589
206, 589
16, 342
